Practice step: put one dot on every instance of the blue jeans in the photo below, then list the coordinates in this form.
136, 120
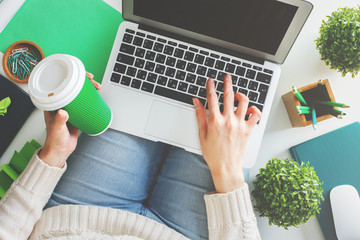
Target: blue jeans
153, 179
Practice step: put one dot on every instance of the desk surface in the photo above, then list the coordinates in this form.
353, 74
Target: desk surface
302, 66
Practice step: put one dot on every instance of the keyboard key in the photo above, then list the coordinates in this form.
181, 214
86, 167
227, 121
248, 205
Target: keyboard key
243, 91
199, 59
158, 47
139, 63
243, 82
263, 78
181, 64
201, 70
246, 65
234, 79
140, 34
253, 85
268, 71
253, 96
172, 43
183, 86
151, 77
150, 55
193, 49
120, 68
191, 67
150, 66
211, 73
257, 68
189, 56
148, 44
160, 58
236, 61
263, 88
204, 52
209, 62
128, 38
162, 80
193, 89
125, 59
179, 53
221, 98
180, 75
129, 31
169, 50
225, 59
170, 72
170, 61
141, 74
230, 68
220, 87
190, 78
140, 52
131, 71
214, 55
235, 89
219, 65
240, 71
126, 48
138, 41
262, 98
175, 95
201, 81
147, 87
151, 37
250, 74
161, 40
221, 76
125, 80
202, 92
172, 83
183, 46
160, 69
135, 83
115, 78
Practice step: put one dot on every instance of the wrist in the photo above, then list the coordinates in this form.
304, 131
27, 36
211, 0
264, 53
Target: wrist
52, 158
228, 181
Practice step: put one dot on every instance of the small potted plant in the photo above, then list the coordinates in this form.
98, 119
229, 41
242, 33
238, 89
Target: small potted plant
286, 193
338, 42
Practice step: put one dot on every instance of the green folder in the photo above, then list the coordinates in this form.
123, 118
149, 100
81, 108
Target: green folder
5, 183
18, 162
82, 28
335, 157
9, 171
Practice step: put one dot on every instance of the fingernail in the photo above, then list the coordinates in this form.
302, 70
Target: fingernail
194, 102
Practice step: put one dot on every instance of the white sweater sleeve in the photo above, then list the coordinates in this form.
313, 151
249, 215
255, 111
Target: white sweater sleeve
231, 216
23, 203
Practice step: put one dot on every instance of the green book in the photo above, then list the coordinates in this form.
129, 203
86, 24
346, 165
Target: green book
335, 157
82, 28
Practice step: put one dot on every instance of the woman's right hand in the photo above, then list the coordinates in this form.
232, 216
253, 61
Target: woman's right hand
224, 136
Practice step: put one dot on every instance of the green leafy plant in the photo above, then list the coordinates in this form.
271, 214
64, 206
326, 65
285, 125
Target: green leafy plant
286, 193
339, 41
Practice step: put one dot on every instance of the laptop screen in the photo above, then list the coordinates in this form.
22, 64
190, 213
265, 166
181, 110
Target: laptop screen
256, 24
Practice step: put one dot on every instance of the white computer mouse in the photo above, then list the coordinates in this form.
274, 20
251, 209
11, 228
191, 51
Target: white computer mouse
345, 206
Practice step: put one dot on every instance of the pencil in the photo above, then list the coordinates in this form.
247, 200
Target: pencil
337, 112
334, 104
313, 111
303, 111
302, 108
298, 95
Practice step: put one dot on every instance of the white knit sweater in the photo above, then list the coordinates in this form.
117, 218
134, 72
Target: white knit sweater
230, 216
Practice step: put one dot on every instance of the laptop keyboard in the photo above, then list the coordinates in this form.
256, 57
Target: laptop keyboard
179, 71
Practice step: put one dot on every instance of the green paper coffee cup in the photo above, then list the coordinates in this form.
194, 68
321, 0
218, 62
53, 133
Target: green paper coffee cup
60, 82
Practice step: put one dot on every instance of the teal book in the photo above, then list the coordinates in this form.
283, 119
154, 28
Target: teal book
335, 157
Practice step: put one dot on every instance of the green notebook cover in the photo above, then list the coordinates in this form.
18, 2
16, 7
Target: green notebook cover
335, 157
5, 183
82, 28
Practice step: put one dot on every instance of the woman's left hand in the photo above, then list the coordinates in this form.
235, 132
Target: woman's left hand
61, 138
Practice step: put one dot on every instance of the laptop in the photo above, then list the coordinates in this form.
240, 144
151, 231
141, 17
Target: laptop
165, 51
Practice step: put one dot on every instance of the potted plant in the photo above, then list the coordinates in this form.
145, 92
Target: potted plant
286, 193
338, 42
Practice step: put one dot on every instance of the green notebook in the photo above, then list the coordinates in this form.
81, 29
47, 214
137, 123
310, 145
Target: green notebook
82, 28
335, 157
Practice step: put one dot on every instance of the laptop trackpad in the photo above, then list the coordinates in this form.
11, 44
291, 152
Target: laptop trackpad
173, 124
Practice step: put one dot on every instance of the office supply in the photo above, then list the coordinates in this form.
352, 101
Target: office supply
17, 112
165, 60
11, 171
313, 116
335, 158
345, 206
83, 28
309, 92
334, 104
298, 95
302, 108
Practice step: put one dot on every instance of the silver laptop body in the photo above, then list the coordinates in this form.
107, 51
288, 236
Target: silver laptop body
155, 65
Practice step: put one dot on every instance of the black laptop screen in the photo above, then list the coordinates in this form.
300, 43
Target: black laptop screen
256, 24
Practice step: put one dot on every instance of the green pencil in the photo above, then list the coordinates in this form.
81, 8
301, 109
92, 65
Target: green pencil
335, 104
302, 108
313, 111
298, 95
303, 111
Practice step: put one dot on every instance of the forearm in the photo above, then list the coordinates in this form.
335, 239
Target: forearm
231, 216
23, 203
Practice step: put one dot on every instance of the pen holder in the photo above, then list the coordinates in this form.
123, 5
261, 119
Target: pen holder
315, 91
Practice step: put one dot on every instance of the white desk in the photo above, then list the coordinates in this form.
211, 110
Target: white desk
302, 67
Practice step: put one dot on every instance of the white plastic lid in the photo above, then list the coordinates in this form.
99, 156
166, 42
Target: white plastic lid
56, 81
